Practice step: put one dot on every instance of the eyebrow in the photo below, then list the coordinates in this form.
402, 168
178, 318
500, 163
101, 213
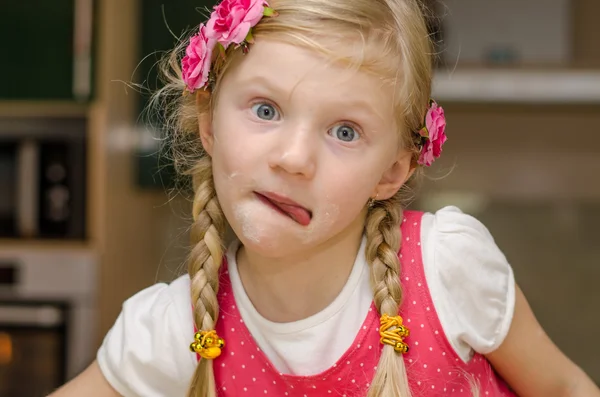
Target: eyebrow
260, 81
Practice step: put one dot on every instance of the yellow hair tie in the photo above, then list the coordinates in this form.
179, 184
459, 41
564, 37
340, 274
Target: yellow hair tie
393, 337
207, 344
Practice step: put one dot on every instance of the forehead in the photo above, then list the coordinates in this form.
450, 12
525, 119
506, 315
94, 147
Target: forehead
304, 72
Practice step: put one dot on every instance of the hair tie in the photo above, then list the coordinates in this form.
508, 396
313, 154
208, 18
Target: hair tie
207, 344
393, 337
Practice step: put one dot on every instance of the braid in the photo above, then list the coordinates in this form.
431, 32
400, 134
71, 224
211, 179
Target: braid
205, 259
383, 244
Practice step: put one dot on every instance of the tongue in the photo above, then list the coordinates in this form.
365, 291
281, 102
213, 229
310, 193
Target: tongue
298, 214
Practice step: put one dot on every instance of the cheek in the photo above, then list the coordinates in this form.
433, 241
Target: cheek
246, 224
234, 149
351, 187
226, 164
356, 181
345, 193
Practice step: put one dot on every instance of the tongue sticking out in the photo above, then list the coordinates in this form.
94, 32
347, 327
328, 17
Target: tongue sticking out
299, 214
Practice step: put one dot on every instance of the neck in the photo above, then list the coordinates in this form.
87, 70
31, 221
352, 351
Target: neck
298, 286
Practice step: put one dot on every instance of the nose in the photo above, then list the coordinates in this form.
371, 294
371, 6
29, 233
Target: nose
295, 152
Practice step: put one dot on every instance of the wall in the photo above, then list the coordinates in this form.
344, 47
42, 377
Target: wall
586, 32
530, 175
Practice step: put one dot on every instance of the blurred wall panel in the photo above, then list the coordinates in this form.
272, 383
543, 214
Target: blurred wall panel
586, 31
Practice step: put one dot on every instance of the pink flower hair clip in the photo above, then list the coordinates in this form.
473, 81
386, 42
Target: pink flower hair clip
231, 22
432, 136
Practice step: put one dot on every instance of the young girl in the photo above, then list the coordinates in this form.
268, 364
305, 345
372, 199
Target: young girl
315, 118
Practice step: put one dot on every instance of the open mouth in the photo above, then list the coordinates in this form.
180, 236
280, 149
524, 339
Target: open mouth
286, 207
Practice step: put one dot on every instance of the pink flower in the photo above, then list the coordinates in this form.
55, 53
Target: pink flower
195, 65
434, 132
232, 20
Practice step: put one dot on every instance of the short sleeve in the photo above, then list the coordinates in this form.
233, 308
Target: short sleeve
471, 283
146, 352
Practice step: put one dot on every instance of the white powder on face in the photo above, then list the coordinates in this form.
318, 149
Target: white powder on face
249, 216
253, 231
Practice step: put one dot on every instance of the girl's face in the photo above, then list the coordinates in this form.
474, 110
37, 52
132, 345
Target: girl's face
299, 145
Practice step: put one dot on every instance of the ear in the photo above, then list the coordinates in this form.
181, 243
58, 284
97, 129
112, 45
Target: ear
205, 120
395, 176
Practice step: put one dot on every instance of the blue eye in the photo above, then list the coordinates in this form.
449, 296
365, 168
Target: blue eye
265, 111
345, 133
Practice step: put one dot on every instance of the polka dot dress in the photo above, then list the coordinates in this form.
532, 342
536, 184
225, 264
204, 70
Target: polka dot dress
433, 368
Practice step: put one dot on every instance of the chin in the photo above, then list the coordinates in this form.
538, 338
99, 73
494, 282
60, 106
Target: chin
271, 244
270, 234
268, 248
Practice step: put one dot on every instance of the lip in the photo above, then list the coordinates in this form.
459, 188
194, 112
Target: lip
281, 199
279, 203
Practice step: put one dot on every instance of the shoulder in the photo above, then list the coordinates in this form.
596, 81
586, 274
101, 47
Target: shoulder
460, 242
471, 282
452, 221
146, 351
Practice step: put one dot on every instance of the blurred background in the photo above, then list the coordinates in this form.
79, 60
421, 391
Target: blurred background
86, 218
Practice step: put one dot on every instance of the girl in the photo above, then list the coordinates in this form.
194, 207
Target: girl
315, 119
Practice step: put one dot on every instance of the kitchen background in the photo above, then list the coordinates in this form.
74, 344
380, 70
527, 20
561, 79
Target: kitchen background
87, 214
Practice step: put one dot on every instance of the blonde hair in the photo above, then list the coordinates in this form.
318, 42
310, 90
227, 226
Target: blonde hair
395, 45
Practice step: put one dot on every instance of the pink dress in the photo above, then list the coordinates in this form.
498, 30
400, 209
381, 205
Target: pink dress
433, 367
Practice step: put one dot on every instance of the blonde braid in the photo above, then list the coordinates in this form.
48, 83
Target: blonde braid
207, 235
383, 244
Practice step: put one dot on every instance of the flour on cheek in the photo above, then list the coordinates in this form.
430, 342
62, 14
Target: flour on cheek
252, 230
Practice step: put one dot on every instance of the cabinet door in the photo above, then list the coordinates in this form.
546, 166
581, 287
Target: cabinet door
46, 49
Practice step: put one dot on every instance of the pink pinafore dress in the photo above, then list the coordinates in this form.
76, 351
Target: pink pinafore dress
433, 367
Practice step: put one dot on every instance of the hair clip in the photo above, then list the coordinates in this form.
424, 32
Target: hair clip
431, 137
393, 337
207, 344
231, 22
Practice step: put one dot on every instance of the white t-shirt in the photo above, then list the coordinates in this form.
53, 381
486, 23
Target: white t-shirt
146, 353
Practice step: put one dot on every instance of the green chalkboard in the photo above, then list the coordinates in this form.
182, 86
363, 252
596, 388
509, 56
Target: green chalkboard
163, 22
37, 42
